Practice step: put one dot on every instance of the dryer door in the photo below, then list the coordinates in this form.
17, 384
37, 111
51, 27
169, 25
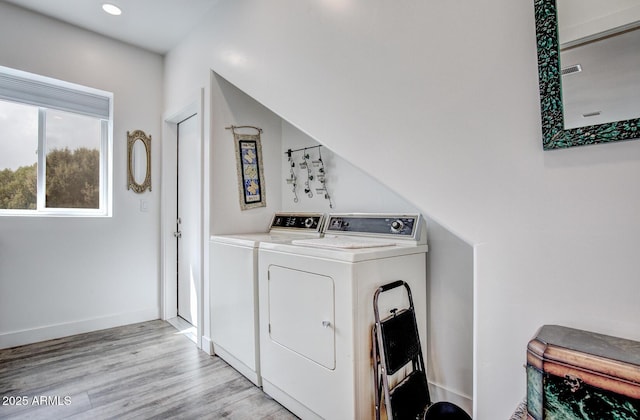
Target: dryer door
301, 314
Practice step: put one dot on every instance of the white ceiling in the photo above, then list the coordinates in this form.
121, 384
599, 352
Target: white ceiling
155, 25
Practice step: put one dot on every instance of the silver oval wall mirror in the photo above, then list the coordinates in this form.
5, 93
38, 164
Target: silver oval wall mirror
588, 63
138, 161
139, 158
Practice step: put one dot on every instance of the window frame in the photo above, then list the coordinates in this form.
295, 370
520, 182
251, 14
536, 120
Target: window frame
106, 142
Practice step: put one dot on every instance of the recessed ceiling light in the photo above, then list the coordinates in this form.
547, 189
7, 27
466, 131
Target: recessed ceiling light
111, 9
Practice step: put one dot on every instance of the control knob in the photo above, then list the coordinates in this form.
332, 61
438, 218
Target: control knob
396, 226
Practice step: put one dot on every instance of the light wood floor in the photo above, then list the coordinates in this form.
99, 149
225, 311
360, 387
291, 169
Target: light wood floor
142, 371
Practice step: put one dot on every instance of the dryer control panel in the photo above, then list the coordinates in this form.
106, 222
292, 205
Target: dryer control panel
395, 225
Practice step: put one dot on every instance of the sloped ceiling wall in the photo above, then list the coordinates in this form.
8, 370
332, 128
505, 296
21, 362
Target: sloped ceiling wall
405, 87
440, 101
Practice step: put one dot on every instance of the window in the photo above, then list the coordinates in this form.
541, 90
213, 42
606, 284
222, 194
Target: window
54, 147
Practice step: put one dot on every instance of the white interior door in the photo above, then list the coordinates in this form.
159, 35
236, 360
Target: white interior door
188, 213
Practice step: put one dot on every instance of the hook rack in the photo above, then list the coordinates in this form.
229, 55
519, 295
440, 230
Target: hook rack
293, 180
305, 165
323, 180
315, 172
290, 151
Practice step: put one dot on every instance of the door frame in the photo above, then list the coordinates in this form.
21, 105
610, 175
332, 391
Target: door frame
169, 248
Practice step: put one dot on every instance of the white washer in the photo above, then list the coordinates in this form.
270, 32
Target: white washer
316, 310
233, 281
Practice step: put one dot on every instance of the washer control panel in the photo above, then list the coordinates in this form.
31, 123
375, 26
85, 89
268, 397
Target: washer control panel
373, 225
308, 222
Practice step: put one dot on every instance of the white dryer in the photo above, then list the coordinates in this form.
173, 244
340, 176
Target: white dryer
316, 309
233, 280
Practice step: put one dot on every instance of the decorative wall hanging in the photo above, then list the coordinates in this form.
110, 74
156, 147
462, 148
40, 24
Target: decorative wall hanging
292, 180
138, 161
322, 178
249, 167
314, 172
305, 165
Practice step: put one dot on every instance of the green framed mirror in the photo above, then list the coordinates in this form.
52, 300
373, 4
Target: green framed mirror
553, 73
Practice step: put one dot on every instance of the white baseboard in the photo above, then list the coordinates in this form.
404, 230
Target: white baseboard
238, 365
207, 345
49, 332
289, 402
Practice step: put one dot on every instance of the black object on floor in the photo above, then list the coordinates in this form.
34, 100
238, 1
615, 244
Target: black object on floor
445, 411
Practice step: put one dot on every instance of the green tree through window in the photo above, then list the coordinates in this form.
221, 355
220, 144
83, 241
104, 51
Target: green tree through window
73, 178
55, 147
18, 188
73, 181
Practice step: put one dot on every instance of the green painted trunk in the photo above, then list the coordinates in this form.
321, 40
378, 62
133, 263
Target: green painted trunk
554, 398
581, 375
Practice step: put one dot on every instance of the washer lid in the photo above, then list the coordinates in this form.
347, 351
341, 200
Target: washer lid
344, 242
349, 255
251, 240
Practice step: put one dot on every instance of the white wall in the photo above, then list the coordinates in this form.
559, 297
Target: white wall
59, 275
449, 262
440, 102
231, 106
352, 190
